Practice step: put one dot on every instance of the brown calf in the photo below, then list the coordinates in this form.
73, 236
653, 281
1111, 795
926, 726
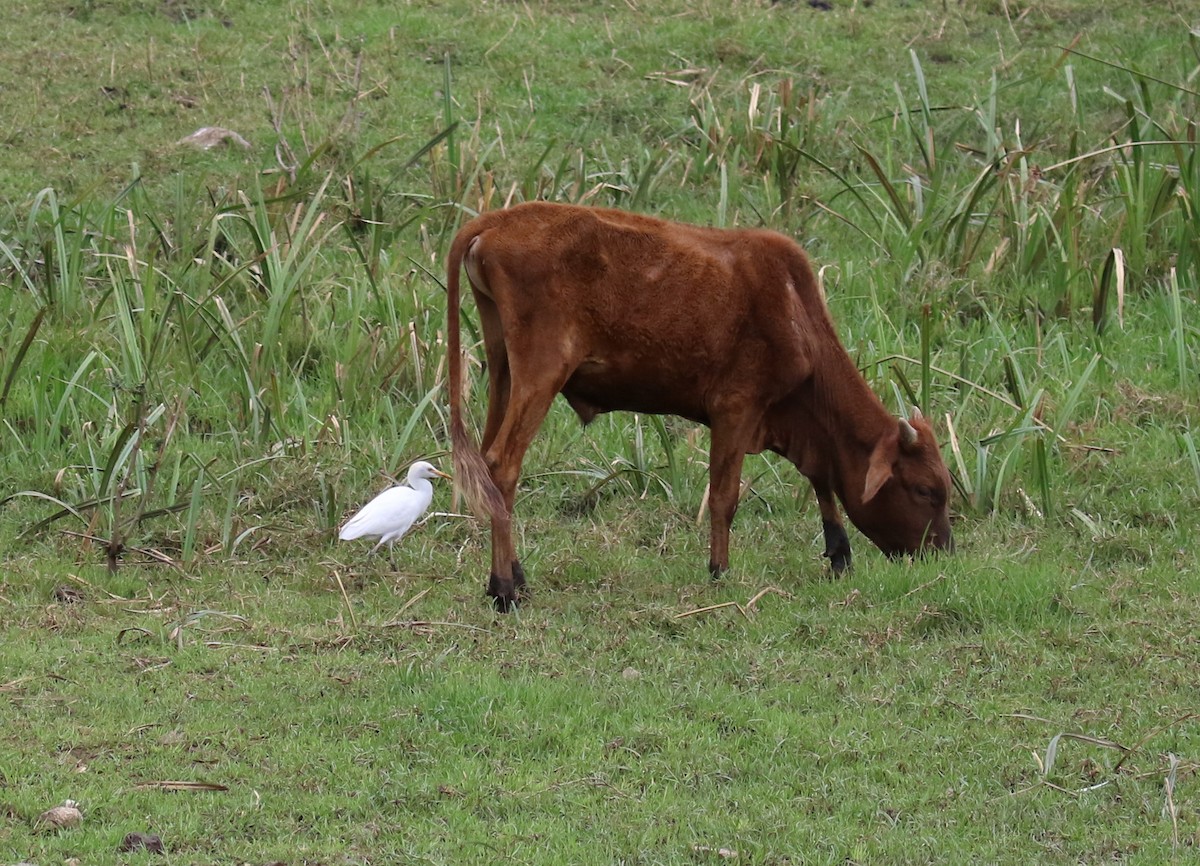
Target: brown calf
616, 310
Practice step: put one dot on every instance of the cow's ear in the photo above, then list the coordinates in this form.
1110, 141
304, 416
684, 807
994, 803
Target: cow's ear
879, 470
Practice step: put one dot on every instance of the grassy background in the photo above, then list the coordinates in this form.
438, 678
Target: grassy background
209, 357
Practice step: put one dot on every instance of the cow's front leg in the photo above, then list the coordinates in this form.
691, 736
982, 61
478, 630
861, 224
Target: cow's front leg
837, 543
724, 489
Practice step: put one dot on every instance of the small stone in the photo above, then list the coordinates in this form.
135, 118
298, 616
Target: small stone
61, 817
631, 674
208, 137
65, 594
142, 842
723, 853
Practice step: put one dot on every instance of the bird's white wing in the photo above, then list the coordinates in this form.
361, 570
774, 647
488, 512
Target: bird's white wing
393, 509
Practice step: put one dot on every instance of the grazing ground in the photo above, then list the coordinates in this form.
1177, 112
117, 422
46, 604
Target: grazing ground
209, 357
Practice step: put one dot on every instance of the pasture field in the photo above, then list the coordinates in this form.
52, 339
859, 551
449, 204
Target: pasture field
209, 357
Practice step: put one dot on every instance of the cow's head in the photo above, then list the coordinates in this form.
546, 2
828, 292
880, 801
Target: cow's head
905, 498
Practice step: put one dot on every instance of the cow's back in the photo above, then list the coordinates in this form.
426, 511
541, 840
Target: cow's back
659, 316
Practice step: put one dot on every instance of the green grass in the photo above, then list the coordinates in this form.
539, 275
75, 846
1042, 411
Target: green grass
210, 357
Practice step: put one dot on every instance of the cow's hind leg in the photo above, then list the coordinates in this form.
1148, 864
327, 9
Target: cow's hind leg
499, 377
499, 388
529, 401
724, 488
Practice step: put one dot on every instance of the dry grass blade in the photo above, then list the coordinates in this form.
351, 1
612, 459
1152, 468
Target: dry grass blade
1153, 733
1026, 717
150, 553
1170, 808
134, 630
346, 599
74, 578
425, 625
1113, 148
744, 609
941, 576
192, 620
712, 607
769, 590
172, 785
1052, 748
420, 595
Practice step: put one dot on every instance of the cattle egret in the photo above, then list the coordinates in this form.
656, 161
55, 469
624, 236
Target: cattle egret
393, 512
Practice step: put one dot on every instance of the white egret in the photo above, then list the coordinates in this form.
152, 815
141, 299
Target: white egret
393, 512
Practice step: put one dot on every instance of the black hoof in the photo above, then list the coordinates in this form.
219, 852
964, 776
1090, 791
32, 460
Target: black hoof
839, 563
837, 547
503, 593
715, 572
518, 575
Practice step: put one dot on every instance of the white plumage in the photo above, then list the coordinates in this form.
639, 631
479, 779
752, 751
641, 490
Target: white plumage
393, 512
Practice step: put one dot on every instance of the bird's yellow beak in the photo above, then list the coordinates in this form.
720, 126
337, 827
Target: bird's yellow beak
440, 474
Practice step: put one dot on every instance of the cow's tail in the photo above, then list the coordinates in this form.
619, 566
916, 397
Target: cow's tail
471, 474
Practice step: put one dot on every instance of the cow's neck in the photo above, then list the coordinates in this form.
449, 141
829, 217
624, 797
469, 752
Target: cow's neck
830, 425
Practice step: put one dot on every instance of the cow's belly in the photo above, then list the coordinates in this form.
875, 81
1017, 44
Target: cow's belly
596, 387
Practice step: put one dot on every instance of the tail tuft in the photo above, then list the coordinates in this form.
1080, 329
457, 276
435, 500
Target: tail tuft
472, 476
471, 473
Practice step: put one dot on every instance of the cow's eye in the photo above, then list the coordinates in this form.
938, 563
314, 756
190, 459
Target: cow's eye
924, 492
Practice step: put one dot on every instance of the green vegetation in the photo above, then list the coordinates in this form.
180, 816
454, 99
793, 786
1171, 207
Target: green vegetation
209, 357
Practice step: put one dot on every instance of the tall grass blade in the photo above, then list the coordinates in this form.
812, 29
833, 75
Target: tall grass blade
926, 349
674, 477
19, 355
848, 187
446, 133
192, 525
923, 136
1066, 410
899, 210
1189, 447
21, 269
66, 508
1041, 474
1112, 281
448, 121
400, 444
118, 455
961, 478
1178, 328
66, 400
723, 201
